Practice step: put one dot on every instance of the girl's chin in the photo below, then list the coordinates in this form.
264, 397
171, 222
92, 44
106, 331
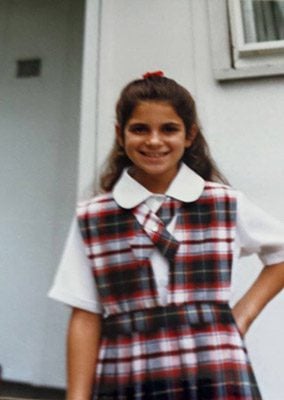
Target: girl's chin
154, 171
153, 160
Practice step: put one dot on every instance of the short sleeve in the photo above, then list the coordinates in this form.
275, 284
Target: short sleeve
258, 232
74, 283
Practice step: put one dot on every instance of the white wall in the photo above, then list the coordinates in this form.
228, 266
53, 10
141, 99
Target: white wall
243, 122
39, 156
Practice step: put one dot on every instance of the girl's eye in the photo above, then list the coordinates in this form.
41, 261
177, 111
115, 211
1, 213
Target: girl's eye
138, 129
170, 128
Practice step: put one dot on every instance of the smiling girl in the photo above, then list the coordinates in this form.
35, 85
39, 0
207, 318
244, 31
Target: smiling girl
154, 139
147, 266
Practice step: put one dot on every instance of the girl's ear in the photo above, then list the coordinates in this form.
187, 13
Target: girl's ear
118, 135
191, 135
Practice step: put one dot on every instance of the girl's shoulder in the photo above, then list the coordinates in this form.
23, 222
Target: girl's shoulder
219, 190
96, 205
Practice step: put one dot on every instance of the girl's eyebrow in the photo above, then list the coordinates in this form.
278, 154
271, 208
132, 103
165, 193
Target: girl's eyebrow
172, 123
138, 122
134, 125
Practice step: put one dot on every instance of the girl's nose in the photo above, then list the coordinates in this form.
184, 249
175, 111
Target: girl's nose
154, 138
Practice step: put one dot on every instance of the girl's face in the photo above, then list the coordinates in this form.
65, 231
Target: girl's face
154, 139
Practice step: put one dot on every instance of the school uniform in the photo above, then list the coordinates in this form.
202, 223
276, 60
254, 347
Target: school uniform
164, 289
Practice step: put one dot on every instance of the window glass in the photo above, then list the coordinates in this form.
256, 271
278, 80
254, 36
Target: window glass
263, 20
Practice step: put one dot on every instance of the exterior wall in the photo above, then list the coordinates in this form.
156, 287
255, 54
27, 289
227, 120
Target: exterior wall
39, 156
242, 120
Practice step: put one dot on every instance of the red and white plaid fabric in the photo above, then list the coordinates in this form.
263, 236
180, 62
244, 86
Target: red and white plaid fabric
191, 348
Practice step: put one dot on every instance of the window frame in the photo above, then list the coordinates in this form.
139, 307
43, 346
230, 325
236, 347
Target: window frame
232, 57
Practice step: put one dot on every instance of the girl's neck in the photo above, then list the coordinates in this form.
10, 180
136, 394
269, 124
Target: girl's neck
155, 183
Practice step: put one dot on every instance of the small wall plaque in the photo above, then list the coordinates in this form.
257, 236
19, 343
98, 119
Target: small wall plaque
29, 68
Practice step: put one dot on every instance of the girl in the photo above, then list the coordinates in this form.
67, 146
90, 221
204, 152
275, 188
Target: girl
147, 265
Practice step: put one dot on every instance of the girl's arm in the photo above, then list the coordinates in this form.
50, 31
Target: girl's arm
269, 282
82, 350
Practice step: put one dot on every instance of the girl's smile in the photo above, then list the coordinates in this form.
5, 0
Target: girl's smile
154, 139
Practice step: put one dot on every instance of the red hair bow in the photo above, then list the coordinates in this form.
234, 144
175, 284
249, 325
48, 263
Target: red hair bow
154, 73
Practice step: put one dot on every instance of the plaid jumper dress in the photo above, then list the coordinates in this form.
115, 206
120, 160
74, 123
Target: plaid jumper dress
190, 348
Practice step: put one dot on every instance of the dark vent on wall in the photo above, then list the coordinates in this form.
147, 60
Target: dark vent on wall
29, 68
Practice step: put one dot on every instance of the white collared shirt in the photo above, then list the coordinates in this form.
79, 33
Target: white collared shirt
256, 232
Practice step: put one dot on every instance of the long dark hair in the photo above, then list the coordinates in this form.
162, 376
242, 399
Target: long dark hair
160, 88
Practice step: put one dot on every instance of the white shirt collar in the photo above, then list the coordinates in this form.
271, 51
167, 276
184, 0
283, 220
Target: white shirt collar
187, 186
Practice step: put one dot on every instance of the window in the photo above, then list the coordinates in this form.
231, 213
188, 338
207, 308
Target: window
250, 40
262, 21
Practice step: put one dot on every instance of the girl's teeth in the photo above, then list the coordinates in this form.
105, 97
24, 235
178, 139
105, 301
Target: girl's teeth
154, 154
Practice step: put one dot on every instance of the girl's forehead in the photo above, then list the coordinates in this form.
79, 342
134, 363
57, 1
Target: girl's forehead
154, 109
153, 104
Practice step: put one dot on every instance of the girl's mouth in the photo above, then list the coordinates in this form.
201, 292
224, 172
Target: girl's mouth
154, 154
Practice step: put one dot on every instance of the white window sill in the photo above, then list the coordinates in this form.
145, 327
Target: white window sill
223, 74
